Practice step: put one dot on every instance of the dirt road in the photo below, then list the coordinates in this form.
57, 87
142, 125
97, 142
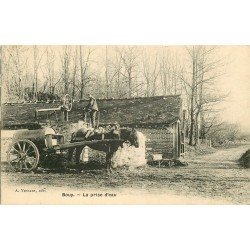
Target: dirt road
228, 155
210, 179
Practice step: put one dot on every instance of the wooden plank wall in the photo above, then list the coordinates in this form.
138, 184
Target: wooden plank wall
159, 140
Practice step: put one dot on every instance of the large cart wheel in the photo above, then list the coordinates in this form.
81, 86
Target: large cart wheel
23, 155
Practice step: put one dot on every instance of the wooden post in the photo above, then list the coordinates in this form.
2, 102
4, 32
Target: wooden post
108, 159
66, 115
62, 115
85, 154
174, 140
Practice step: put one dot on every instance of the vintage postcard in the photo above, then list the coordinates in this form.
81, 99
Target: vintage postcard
125, 124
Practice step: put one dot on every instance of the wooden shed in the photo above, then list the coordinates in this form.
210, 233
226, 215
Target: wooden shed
159, 118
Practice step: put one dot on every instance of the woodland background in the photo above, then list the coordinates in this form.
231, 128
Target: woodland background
45, 73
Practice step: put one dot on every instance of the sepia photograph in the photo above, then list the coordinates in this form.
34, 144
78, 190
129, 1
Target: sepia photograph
125, 124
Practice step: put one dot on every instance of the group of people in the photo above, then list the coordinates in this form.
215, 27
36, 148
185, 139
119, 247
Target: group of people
92, 109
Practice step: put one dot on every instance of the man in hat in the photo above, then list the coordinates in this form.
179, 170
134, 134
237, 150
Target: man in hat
91, 108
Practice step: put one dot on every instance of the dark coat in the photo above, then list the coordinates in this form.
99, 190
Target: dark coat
92, 105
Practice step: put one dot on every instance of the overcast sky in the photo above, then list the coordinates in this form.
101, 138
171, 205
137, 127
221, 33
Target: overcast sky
237, 81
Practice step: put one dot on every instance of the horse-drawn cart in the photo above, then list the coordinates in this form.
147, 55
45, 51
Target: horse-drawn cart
32, 143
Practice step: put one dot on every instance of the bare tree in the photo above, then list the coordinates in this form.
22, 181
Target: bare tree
66, 63
117, 76
37, 58
107, 71
170, 70
112, 73
50, 69
6, 82
175, 70
129, 57
198, 82
164, 71
74, 73
16, 69
150, 73
223, 132
84, 69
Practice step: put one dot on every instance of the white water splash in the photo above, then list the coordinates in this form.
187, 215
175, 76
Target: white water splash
130, 155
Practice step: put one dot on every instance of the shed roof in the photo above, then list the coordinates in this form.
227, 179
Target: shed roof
132, 111
143, 110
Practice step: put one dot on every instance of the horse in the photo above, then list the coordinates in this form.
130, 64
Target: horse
129, 135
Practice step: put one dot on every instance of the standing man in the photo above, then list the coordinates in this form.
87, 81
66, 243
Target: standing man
91, 108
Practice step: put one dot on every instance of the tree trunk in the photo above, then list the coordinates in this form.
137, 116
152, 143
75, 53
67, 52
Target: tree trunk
129, 84
196, 134
192, 121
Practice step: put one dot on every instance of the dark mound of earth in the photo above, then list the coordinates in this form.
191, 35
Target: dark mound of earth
245, 159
